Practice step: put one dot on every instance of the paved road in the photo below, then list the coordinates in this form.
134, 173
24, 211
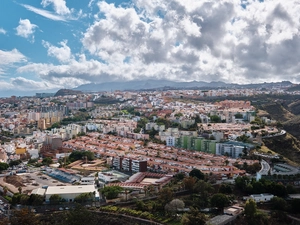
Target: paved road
265, 167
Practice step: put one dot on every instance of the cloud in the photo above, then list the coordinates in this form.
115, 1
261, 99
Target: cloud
45, 13
59, 6
2, 31
9, 59
181, 40
26, 29
62, 54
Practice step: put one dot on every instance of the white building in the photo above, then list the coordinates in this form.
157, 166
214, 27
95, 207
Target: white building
261, 197
229, 149
170, 141
107, 177
69, 193
87, 181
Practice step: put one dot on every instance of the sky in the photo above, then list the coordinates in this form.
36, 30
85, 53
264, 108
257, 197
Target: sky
46, 45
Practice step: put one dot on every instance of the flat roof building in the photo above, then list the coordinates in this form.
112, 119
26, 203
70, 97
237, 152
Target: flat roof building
69, 193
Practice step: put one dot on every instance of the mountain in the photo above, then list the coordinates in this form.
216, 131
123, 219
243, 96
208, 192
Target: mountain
63, 92
166, 84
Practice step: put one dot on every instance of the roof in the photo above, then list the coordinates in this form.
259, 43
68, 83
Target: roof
38, 191
70, 189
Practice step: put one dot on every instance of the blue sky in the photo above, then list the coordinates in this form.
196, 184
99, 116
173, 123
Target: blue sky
46, 45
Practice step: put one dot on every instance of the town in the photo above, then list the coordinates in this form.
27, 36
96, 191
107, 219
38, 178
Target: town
109, 148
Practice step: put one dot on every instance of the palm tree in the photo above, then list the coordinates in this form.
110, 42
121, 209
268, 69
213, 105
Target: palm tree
5, 190
20, 189
126, 194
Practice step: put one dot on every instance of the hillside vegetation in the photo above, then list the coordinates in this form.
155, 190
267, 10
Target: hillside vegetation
287, 112
287, 146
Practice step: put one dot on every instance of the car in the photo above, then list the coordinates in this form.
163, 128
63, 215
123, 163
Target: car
67, 208
61, 208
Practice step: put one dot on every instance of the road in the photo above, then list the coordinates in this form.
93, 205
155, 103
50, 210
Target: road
265, 167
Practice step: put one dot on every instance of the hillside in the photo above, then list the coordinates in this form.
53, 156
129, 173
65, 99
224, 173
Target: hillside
277, 111
287, 146
63, 92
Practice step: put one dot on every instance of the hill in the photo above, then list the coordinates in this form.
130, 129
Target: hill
167, 84
287, 146
63, 92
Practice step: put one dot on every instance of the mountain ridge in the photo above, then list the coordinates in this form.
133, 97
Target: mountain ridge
159, 84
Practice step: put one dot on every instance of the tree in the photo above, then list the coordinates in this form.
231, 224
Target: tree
111, 192
225, 189
179, 176
219, 200
78, 155
3, 166
80, 215
24, 217
14, 163
47, 161
204, 189
55, 199
84, 197
174, 205
278, 203
5, 189
215, 119
20, 189
165, 195
189, 183
193, 217
250, 208
35, 199
197, 173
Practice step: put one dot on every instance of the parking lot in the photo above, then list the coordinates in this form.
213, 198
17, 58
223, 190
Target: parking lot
38, 179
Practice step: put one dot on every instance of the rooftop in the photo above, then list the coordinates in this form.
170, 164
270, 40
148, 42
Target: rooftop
70, 189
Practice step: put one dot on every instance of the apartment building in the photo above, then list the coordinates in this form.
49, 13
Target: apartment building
129, 165
229, 150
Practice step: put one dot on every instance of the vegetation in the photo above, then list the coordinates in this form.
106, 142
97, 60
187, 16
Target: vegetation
111, 192
78, 155
3, 166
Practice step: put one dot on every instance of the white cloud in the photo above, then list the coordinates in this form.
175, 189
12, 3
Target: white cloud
9, 58
2, 31
59, 6
26, 29
45, 13
182, 40
62, 54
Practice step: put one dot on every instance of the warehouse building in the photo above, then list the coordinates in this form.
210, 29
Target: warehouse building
69, 193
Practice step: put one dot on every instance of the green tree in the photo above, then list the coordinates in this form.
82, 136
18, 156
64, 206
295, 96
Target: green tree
215, 119
35, 199
189, 183
250, 208
111, 192
219, 200
80, 215
84, 197
193, 217
24, 217
174, 205
278, 203
78, 155
55, 199
3, 166
225, 189
197, 173
47, 161
165, 195
14, 163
